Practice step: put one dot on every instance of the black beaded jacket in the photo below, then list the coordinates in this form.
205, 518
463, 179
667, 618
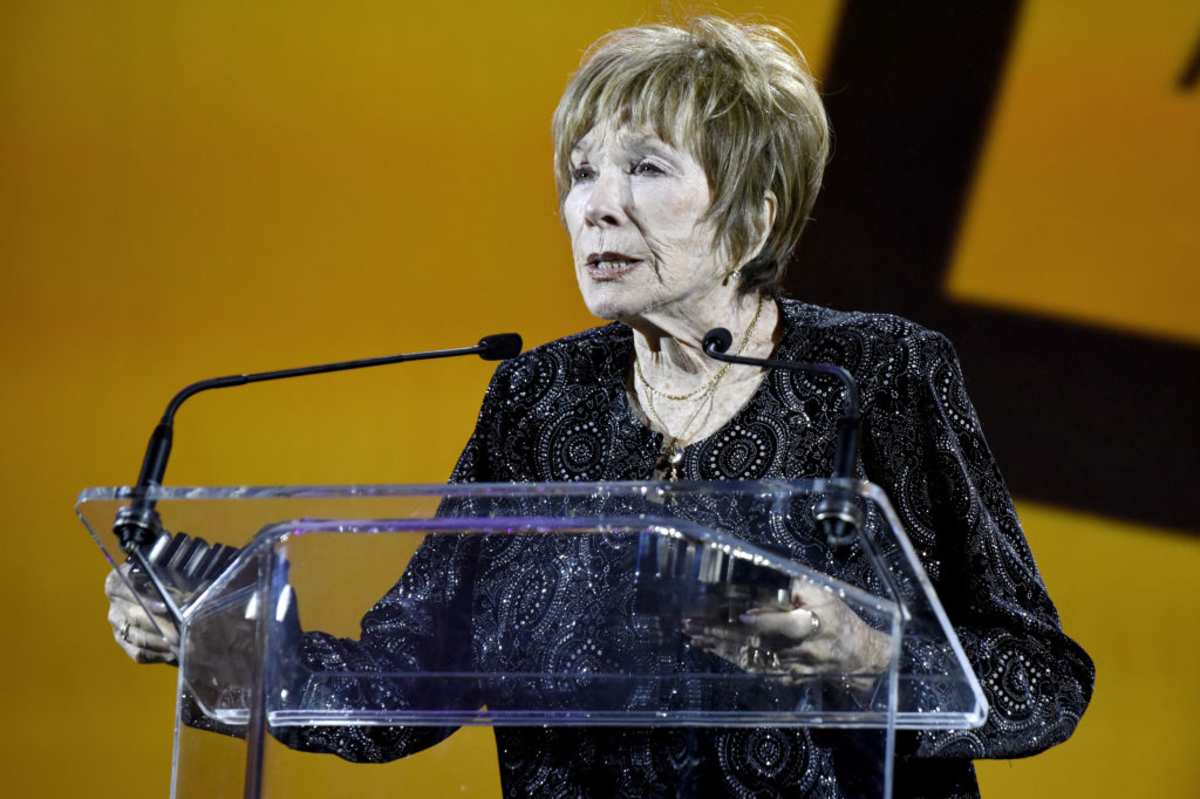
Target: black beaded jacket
562, 412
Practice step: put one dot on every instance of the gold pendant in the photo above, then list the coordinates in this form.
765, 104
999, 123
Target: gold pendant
669, 462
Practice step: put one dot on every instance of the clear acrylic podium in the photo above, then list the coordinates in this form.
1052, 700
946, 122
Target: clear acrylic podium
559, 604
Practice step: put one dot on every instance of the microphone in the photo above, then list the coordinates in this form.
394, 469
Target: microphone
837, 514
138, 525
500, 346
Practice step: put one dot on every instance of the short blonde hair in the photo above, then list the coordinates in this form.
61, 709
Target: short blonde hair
748, 109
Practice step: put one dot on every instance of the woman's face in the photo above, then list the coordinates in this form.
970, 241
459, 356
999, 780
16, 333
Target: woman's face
633, 213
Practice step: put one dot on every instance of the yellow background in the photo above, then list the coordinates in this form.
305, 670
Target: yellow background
196, 189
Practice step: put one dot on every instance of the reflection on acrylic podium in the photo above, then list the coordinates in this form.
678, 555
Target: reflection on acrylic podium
558, 604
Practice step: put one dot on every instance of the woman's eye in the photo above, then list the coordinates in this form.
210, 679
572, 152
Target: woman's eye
647, 168
581, 173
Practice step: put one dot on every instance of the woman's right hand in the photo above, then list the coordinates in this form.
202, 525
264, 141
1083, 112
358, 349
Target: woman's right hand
134, 629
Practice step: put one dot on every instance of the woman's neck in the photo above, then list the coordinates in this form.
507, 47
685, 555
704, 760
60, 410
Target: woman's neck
669, 345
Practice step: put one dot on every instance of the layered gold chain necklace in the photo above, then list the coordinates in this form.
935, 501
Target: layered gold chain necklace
672, 451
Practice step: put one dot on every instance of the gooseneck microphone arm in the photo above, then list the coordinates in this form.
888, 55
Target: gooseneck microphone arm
138, 525
837, 514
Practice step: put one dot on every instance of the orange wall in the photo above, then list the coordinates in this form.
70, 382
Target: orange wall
189, 190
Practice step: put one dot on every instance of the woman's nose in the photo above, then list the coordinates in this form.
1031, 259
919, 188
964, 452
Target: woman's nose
606, 202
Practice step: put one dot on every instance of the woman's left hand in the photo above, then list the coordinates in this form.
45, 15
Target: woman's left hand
820, 635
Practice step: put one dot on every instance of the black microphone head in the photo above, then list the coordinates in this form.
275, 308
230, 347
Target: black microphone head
500, 347
718, 340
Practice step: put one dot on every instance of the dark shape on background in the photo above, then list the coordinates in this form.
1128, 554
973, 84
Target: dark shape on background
1190, 75
1094, 419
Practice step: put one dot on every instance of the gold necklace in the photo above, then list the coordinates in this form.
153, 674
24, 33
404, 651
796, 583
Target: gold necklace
672, 454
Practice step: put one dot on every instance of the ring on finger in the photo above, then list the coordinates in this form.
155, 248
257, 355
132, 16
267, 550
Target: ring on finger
124, 633
814, 623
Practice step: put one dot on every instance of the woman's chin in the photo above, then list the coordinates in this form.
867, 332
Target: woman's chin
606, 303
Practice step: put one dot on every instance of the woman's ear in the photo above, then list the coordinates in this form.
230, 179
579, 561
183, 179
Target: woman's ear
767, 215
764, 222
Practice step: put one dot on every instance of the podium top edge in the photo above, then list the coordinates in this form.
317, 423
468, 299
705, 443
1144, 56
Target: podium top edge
764, 488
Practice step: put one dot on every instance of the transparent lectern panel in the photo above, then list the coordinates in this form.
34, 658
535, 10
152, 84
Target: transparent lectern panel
351, 613
557, 622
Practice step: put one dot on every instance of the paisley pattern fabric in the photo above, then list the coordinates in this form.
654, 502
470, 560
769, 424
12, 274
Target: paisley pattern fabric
562, 413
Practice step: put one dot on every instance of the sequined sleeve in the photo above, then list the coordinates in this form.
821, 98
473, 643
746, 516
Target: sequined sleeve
960, 516
422, 623
404, 632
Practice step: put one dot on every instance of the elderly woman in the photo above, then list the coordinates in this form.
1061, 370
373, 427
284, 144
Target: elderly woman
687, 162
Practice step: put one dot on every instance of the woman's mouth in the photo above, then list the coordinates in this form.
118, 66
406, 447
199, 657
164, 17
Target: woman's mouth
610, 266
